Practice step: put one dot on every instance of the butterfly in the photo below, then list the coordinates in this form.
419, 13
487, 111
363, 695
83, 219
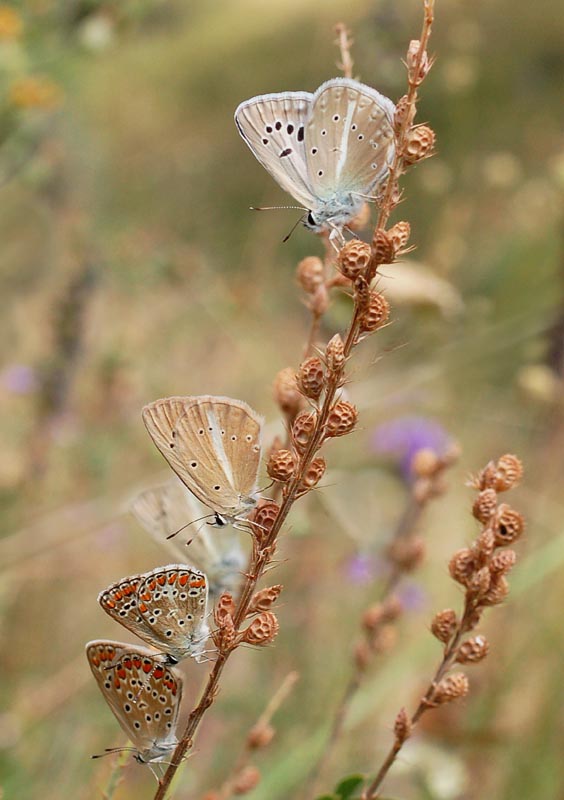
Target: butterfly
143, 694
329, 150
214, 446
165, 510
166, 607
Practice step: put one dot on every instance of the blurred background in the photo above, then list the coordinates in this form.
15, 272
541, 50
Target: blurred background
131, 268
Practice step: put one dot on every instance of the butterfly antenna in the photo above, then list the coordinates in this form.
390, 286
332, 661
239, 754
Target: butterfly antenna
109, 750
172, 535
277, 208
294, 226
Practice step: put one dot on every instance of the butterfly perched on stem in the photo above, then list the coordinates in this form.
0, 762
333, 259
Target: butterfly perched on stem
330, 150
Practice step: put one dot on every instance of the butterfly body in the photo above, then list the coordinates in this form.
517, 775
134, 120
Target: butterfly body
330, 150
143, 694
166, 607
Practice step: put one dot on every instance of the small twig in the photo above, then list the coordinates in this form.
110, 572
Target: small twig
344, 43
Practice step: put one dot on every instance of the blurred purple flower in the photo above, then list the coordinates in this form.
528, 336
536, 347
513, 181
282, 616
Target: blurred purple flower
403, 437
19, 379
362, 568
412, 597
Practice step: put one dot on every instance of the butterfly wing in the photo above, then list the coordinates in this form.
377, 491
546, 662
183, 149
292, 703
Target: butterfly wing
143, 695
173, 603
212, 443
273, 126
120, 601
349, 138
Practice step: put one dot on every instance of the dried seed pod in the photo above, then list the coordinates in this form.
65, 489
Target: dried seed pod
373, 617
498, 591
314, 472
286, 392
335, 353
376, 314
404, 114
509, 471
444, 625
484, 546
281, 465
225, 607
425, 463
473, 650
485, 505
264, 599
262, 630
342, 419
247, 780
319, 302
303, 428
509, 525
402, 727
310, 273
392, 609
382, 248
417, 68
399, 234
462, 566
260, 736
225, 636
479, 583
503, 562
407, 553
451, 688
419, 143
262, 518
353, 258
310, 378
361, 292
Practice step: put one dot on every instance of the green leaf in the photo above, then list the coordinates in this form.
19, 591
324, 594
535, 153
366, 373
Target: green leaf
346, 788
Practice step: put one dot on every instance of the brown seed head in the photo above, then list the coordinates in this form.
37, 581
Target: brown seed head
399, 234
319, 302
354, 258
419, 144
485, 505
376, 314
483, 547
310, 377
265, 598
262, 630
303, 428
281, 465
444, 625
405, 113
262, 518
342, 419
451, 688
392, 608
310, 273
479, 583
225, 636
407, 553
462, 566
503, 562
425, 463
225, 608
509, 525
382, 248
286, 392
402, 727
260, 736
417, 71
335, 353
373, 617
498, 591
314, 472
247, 780
473, 650
509, 471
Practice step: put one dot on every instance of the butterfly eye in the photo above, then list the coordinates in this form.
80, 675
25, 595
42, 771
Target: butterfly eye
310, 219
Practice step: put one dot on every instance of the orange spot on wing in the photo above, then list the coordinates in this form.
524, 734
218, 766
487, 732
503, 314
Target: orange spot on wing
147, 666
161, 580
183, 580
173, 577
196, 583
142, 607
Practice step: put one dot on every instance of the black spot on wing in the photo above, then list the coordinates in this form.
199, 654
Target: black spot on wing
285, 152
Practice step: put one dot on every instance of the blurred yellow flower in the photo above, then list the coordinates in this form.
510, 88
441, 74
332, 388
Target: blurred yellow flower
35, 91
10, 23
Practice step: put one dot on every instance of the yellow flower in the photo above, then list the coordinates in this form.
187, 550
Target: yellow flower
35, 91
10, 23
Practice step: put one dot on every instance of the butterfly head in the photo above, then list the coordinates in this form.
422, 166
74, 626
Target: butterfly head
334, 213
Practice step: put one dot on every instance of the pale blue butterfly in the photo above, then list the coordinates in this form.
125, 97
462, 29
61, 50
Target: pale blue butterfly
330, 150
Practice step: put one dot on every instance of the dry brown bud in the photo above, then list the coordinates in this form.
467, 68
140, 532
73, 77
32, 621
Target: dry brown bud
444, 625
376, 314
419, 144
303, 428
260, 736
509, 471
498, 591
373, 617
310, 377
451, 688
484, 546
399, 234
335, 353
247, 780
485, 505
462, 566
473, 619
473, 650
225, 607
314, 472
417, 68
404, 115
402, 727
503, 562
262, 630
407, 553
262, 518
319, 302
225, 636
382, 248
509, 525
384, 639
354, 258
479, 583
342, 419
286, 392
362, 656
281, 465
310, 273
392, 609
264, 599
425, 463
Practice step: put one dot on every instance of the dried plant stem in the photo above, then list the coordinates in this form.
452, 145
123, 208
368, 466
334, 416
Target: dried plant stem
344, 43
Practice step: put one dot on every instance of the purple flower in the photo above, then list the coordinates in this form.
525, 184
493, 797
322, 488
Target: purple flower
403, 437
361, 568
19, 379
412, 597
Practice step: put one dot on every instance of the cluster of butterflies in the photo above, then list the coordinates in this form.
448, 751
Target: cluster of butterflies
214, 446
